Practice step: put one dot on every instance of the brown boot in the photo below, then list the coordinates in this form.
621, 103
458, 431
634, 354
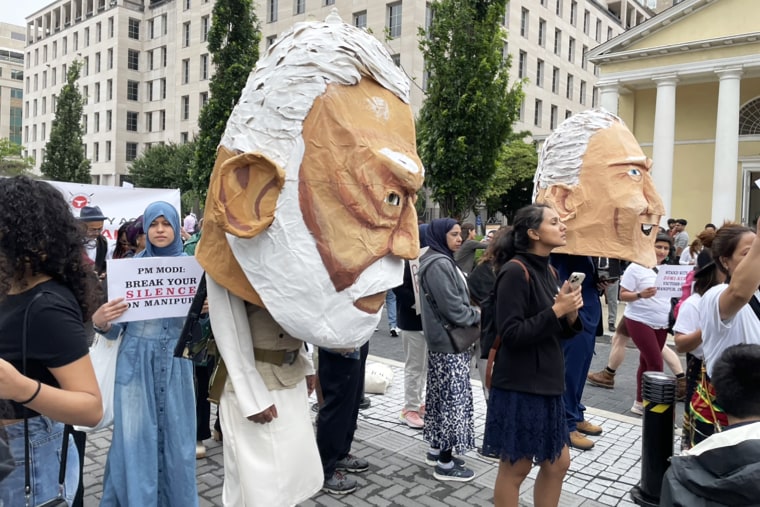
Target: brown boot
680, 388
602, 379
579, 441
588, 428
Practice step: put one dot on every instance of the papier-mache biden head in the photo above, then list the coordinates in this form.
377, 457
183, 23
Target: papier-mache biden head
592, 171
310, 210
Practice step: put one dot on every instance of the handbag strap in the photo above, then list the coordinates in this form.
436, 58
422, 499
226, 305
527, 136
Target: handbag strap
755, 305
27, 443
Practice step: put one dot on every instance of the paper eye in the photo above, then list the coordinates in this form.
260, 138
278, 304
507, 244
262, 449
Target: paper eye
393, 199
634, 172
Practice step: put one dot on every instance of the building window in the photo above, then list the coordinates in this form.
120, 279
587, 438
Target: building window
749, 119
555, 80
558, 11
557, 41
537, 113
270, 40
152, 29
186, 34
554, 112
131, 152
133, 59
97, 93
108, 151
271, 11
569, 91
96, 122
584, 62
524, 20
164, 24
186, 107
568, 113
97, 62
52, 76
84, 124
76, 41
86, 66
582, 97
571, 50
329, 2
133, 32
132, 87
132, 121
150, 60
184, 137
586, 21
17, 93
299, 7
598, 34
393, 23
203, 99
595, 97
164, 56
396, 59
204, 67
149, 122
540, 74
110, 27
541, 32
204, 28
573, 12
110, 58
185, 71
522, 64
187, 5
109, 89
360, 19
109, 120
95, 152
609, 32
86, 37
163, 88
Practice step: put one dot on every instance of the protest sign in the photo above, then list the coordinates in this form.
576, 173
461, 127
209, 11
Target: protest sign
154, 287
119, 204
670, 280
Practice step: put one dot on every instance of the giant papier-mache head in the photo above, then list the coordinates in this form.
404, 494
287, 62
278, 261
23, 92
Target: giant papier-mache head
592, 171
310, 210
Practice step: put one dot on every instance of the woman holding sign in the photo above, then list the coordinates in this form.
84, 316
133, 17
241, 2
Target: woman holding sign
646, 314
152, 457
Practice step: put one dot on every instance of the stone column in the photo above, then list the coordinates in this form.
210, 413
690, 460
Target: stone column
664, 139
725, 169
609, 94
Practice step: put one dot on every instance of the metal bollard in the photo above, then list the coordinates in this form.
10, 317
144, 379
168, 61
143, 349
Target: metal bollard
658, 391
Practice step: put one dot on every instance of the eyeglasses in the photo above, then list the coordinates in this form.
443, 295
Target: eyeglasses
94, 230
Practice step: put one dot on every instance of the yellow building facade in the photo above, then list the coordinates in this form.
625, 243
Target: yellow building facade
687, 83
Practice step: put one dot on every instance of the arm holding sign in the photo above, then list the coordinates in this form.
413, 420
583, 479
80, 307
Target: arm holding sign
101, 319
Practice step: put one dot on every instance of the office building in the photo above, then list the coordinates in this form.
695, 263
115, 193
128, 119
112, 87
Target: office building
11, 81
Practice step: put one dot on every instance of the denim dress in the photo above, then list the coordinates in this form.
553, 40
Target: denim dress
152, 457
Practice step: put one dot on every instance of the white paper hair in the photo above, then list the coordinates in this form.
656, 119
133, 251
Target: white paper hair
562, 153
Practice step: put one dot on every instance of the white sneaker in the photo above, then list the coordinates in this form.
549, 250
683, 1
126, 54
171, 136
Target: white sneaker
395, 332
200, 450
637, 408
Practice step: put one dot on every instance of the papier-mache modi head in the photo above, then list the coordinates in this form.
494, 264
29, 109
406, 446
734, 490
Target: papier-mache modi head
592, 171
310, 210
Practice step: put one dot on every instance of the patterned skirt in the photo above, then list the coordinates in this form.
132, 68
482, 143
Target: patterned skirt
525, 426
448, 403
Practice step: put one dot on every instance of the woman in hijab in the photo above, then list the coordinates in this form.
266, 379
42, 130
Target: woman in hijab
152, 457
448, 405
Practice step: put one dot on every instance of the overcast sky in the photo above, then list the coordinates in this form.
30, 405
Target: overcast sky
15, 11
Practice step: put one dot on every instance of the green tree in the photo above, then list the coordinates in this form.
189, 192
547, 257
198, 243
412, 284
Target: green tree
12, 163
64, 153
470, 106
233, 41
511, 186
164, 166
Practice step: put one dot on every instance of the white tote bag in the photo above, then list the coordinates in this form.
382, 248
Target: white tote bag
103, 354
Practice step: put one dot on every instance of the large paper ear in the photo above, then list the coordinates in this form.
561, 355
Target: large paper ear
246, 191
560, 197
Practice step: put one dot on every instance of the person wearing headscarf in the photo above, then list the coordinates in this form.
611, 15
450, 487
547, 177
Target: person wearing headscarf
152, 457
415, 350
448, 404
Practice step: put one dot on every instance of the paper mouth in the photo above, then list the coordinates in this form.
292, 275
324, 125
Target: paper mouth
371, 304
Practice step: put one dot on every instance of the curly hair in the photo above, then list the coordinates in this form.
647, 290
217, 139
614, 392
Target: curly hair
39, 235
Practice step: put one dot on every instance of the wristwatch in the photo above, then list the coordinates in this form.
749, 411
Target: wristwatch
638, 295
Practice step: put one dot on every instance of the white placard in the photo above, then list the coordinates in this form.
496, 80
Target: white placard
154, 287
414, 269
670, 279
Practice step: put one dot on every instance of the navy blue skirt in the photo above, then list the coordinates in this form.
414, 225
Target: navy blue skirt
525, 426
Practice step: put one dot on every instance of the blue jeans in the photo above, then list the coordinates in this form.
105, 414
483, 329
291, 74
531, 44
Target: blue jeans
390, 307
45, 462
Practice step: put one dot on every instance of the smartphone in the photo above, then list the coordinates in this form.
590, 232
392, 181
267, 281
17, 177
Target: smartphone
576, 279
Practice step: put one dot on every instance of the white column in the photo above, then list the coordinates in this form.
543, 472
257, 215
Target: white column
664, 139
609, 93
725, 169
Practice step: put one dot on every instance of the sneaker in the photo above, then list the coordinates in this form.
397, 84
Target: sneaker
200, 450
588, 428
488, 453
395, 332
455, 473
432, 459
365, 403
412, 419
637, 408
579, 441
315, 407
352, 463
612, 328
680, 388
602, 379
339, 484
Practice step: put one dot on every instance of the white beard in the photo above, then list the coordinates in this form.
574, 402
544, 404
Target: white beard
283, 265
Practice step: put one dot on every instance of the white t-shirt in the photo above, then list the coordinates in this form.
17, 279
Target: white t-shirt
650, 311
717, 335
686, 257
688, 320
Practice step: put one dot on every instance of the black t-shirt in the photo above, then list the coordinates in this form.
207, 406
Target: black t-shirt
55, 337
